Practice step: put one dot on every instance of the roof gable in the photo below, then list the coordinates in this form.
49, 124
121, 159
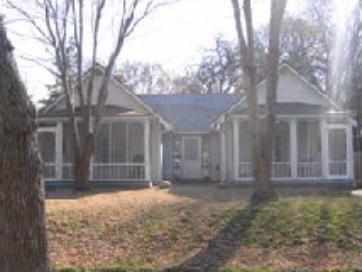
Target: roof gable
118, 97
293, 89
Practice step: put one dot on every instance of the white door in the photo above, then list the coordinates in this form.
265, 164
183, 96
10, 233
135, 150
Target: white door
191, 157
337, 152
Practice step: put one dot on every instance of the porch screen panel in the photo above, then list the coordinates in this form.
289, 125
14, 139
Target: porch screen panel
119, 142
47, 150
47, 146
136, 142
68, 153
281, 156
244, 143
102, 144
245, 166
119, 151
136, 149
337, 143
309, 149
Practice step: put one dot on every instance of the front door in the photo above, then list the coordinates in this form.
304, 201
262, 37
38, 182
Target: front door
337, 152
191, 157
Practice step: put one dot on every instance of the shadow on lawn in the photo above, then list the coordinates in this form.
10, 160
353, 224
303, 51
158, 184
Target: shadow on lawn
223, 246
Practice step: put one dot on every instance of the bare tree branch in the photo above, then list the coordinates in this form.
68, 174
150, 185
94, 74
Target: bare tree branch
40, 63
62, 25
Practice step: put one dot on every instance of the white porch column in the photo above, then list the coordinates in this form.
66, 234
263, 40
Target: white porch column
159, 153
350, 153
293, 148
236, 148
324, 147
59, 151
92, 157
223, 157
147, 135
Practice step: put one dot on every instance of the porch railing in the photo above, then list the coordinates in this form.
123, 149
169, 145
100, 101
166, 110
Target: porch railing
49, 170
68, 171
100, 171
279, 170
118, 171
309, 169
245, 170
338, 168
283, 169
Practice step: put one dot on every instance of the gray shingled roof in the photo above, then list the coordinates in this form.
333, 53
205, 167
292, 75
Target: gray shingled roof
191, 113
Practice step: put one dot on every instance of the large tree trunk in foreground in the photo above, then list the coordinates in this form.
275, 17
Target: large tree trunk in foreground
23, 244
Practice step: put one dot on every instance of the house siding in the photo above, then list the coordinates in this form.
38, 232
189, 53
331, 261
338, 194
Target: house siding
115, 97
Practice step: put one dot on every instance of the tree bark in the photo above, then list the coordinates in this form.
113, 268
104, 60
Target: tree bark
81, 175
23, 243
83, 164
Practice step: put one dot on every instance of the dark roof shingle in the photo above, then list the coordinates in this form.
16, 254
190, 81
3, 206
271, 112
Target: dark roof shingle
191, 113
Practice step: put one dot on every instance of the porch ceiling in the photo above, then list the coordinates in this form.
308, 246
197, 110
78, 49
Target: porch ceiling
290, 108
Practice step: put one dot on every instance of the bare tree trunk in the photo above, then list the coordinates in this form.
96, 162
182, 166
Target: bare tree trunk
23, 243
60, 26
263, 185
82, 165
261, 131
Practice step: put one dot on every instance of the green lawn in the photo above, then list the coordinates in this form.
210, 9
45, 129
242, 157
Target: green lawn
204, 228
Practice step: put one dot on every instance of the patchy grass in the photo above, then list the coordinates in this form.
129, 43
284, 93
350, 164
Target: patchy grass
202, 225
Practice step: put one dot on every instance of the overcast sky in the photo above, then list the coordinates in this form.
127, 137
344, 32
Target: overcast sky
172, 36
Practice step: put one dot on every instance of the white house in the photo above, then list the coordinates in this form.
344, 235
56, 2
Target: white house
145, 138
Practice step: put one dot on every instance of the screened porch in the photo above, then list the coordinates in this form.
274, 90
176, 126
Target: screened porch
304, 148
120, 151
